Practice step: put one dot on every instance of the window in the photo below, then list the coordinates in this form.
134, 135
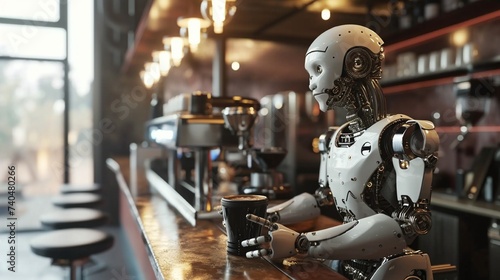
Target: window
32, 41
31, 10
46, 71
32, 106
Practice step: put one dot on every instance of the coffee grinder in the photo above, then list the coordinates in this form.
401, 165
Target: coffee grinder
262, 162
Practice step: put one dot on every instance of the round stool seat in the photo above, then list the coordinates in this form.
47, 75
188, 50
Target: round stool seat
68, 188
71, 244
73, 218
76, 200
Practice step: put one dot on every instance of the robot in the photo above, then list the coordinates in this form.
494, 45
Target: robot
376, 169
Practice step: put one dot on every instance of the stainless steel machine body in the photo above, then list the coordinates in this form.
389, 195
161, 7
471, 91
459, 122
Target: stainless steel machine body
192, 124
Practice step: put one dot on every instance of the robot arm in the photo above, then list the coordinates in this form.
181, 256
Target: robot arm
300, 208
306, 206
368, 238
415, 145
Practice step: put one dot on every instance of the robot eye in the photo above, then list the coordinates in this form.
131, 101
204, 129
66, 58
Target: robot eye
319, 69
358, 63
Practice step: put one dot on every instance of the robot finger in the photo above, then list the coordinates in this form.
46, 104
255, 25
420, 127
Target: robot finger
261, 221
256, 241
259, 253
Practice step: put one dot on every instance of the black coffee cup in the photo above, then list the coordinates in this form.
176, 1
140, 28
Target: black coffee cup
238, 228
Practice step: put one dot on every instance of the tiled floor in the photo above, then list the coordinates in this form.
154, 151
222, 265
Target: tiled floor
117, 263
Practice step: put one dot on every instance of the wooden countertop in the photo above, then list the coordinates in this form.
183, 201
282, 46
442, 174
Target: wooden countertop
180, 251
168, 247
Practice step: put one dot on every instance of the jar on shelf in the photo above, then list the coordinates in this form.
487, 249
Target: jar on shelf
431, 9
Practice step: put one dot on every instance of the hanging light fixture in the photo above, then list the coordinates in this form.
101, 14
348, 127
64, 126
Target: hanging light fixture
219, 12
147, 79
153, 69
193, 26
163, 58
193, 23
176, 47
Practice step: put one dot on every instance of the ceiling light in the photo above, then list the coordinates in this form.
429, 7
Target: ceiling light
218, 15
147, 79
163, 58
460, 37
153, 69
193, 26
219, 12
235, 65
176, 47
325, 14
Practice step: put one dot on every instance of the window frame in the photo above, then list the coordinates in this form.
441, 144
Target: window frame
63, 24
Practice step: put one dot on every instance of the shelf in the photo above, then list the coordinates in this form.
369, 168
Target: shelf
452, 72
443, 77
474, 129
471, 14
480, 208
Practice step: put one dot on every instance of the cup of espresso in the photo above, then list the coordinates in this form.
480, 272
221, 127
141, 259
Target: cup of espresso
238, 228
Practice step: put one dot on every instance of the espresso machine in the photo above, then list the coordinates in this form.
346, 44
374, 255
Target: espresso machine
190, 130
261, 162
293, 121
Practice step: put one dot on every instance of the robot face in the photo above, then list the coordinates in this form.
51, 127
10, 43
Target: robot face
324, 60
321, 77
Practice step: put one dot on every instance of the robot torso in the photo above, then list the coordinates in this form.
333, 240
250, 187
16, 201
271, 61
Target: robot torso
355, 165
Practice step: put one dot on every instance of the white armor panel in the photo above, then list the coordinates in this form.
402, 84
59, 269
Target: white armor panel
302, 207
410, 179
370, 238
402, 266
350, 168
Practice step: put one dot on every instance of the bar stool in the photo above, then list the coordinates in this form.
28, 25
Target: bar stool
71, 247
69, 188
77, 218
75, 200
73, 218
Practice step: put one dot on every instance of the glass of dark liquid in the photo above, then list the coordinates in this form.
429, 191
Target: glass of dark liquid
238, 228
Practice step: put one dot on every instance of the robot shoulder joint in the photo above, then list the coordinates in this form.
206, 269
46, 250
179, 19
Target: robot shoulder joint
416, 138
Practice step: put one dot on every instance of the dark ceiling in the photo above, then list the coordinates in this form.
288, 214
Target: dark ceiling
295, 22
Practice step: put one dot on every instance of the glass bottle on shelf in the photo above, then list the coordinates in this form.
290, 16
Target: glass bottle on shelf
395, 10
418, 11
449, 5
405, 18
431, 9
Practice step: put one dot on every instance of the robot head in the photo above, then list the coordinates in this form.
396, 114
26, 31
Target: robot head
351, 51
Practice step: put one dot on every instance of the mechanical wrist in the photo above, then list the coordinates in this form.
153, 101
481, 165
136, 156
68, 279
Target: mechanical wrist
302, 244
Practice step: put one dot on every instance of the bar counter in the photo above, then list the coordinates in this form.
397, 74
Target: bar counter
168, 247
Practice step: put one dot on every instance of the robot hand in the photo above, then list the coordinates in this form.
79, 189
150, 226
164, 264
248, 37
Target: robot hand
282, 241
